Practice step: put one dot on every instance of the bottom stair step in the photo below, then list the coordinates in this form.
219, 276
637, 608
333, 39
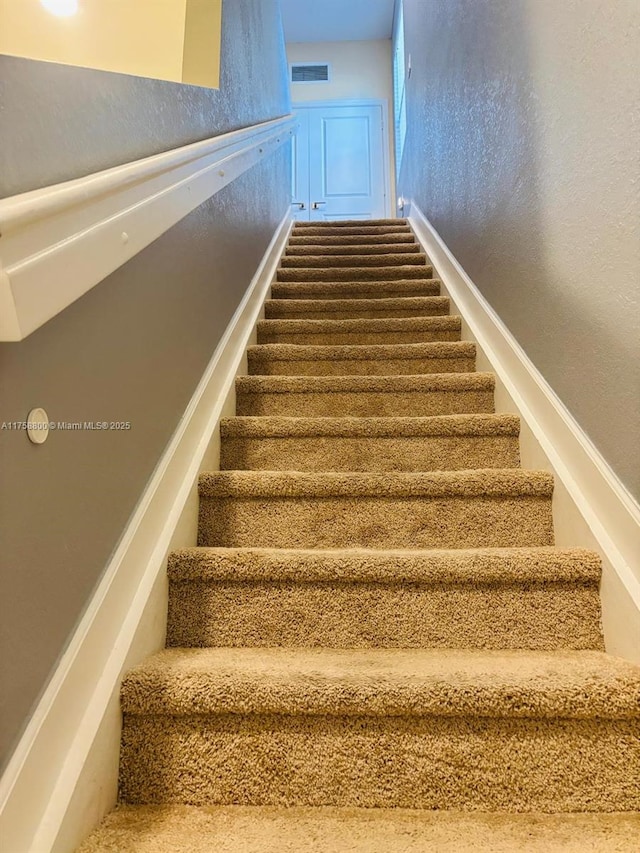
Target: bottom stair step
528, 598
251, 829
435, 729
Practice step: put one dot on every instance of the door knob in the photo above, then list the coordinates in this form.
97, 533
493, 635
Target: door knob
301, 205
316, 204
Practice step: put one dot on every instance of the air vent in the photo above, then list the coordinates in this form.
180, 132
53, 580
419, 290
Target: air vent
307, 72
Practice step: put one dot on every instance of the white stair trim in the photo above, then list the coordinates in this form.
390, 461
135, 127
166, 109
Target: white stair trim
62, 777
592, 508
58, 242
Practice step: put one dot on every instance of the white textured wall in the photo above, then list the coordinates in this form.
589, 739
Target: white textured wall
359, 70
523, 150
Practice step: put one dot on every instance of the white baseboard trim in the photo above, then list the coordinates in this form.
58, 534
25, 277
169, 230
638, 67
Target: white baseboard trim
591, 506
62, 777
58, 242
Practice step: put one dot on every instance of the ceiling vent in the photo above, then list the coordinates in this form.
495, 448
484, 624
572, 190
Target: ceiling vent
310, 72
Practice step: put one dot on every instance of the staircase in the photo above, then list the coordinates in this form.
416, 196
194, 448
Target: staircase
376, 645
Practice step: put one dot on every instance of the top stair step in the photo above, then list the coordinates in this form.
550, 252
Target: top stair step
319, 229
348, 223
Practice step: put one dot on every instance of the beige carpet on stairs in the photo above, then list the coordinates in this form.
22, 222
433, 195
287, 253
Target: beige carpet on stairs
376, 645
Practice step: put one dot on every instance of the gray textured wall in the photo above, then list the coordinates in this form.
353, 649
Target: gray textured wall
522, 149
134, 347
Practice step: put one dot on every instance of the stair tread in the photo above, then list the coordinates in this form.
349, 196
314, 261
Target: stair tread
436, 425
383, 324
428, 304
367, 384
481, 565
393, 237
354, 229
362, 267
389, 484
334, 289
364, 260
362, 272
361, 352
378, 248
328, 829
390, 682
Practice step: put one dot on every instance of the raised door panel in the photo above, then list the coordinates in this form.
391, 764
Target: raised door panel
346, 165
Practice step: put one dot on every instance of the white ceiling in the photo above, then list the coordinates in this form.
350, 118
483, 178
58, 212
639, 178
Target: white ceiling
337, 20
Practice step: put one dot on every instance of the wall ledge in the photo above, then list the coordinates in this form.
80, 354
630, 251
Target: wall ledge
592, 508
62, 777
58, 242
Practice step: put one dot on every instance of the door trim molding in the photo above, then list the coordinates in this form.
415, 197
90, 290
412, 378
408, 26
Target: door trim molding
58, 242
383, 103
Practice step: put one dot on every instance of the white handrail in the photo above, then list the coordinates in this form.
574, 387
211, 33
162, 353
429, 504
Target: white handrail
58, 242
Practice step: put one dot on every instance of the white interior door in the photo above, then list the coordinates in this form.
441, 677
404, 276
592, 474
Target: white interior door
344, 166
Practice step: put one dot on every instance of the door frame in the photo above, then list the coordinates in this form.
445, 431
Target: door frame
364, 102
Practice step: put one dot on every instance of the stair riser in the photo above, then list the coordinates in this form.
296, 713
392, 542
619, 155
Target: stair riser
340, 261
370, 615
363, 273
360, 367
344, 290
265, 336
406, 453
366, 310
296, 250
362, 404
389, 238
463, 763
371, 522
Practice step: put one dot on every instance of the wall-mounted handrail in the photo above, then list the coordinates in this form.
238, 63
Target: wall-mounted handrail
58, 242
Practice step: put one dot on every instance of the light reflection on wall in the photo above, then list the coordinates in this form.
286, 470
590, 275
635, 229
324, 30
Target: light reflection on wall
175, 40
61, 8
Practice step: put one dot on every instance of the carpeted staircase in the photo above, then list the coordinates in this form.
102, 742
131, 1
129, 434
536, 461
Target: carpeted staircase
376, 645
